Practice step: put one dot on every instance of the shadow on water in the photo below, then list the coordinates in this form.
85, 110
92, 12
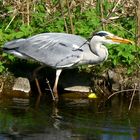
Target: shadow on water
69, 119
79, 119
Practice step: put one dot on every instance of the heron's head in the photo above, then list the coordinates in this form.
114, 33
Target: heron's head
109, 38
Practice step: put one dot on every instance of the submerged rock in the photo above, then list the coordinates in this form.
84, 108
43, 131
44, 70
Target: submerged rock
78, 88
75, 81
16, 87
22, 84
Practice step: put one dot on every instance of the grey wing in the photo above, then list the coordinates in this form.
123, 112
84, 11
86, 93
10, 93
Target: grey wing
60, 56
55, 50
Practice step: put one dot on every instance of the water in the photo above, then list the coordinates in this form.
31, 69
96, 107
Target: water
78, 119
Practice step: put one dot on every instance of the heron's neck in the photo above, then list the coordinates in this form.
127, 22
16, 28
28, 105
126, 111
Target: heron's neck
99, 50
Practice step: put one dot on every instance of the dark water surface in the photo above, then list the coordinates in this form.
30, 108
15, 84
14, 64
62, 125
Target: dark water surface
79, 119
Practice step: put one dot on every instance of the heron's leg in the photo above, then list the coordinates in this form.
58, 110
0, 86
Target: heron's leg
36, 80
38, 86
58, 72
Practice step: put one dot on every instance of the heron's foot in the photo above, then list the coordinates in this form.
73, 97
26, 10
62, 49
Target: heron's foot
56, 96
55, 93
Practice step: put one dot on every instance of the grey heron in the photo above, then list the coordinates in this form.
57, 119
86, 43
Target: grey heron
62, 51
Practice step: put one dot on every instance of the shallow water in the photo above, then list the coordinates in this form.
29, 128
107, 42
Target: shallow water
78, 119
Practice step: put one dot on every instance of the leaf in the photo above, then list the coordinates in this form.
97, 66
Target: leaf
1, 67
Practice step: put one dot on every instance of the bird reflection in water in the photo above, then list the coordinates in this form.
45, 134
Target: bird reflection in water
55, 112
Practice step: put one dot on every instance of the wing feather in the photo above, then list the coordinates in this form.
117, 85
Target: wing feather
54, 49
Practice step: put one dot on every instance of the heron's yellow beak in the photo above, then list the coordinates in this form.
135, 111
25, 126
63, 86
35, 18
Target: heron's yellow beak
119, 40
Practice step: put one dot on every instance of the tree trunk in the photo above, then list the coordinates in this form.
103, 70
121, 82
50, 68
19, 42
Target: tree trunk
138, 21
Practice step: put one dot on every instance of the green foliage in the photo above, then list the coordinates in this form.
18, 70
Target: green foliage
124, 55
86, 23
2, 68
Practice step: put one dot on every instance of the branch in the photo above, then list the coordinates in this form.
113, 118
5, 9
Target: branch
132, 97
122, 91
70, 17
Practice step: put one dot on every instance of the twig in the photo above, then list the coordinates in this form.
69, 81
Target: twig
122, 91
132, 97
62, 12
47, 81
28, 12
37, 82
14, 15
115, 8
116, 5
1, 86
139, 93
102, 14
138, 22
70, 17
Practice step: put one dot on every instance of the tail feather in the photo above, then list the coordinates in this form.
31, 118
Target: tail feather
12, 48
14, 44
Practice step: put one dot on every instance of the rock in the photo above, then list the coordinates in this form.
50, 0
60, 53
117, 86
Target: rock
115, 79
75, 81
22, 84
78, 89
